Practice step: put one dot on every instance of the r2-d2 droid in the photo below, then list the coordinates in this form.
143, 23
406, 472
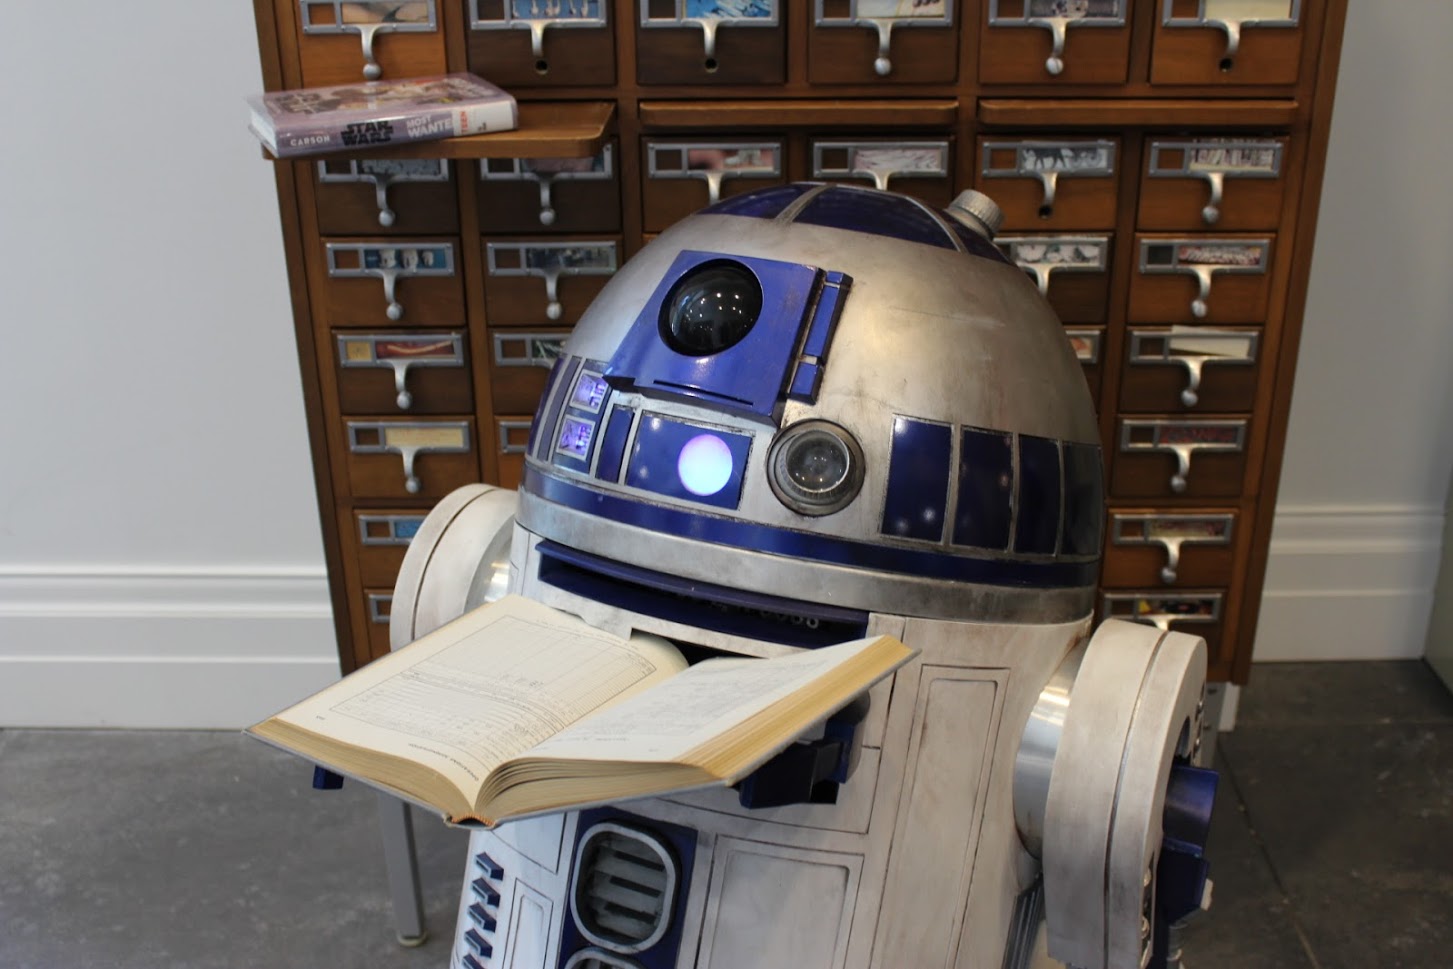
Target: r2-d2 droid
804, 415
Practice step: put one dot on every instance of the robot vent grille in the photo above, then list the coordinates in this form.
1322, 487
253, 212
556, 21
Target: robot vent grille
624, 883
595, 959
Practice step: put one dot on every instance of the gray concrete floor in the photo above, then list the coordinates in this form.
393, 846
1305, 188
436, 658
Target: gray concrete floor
1332, 846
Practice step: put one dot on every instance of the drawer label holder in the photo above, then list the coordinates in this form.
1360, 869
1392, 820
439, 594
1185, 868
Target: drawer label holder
383, 172
549, 261
390, 263
545, 172
1193, 348
388, 530
882, 16
1184, 439
528, 349
1204, 259
1043, 256
1161, 611
1049, 161
368, 18
1085, 343
880, 163
399, 352
1057, 17
1214, 160
538, 17
408, 441
713, 162
1170, 532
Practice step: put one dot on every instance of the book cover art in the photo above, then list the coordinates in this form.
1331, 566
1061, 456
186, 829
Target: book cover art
374, 113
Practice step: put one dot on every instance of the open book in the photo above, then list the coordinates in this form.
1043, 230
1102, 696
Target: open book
516, 708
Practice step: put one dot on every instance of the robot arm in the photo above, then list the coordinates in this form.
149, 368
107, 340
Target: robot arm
1107, 796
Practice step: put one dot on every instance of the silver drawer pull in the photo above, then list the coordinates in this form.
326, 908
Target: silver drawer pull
713, 162
400, 352
1043, 256
367, 19
880, 162
383, 173
1160, 610
1205, 259
756, 13
550, 261
1193, 348
390, 263
539, 16
1214, 160
1171, 532
1049, 161
1230, 16
408, 441
547, 171
1184, 440
1057, 16
881, 18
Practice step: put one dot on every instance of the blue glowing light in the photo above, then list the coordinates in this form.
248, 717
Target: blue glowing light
704, 465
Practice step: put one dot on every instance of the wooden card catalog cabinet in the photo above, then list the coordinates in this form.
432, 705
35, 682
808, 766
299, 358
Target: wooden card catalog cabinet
341, 41
1157, 163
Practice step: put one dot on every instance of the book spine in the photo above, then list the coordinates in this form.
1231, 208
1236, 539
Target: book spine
322, 134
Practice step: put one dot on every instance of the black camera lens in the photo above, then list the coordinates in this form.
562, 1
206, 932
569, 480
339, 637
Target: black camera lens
711, 308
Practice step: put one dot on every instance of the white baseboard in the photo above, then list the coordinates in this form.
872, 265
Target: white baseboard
160, 648
1349, 583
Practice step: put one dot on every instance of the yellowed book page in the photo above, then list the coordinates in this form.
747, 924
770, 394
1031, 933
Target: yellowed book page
675, 717
486, 687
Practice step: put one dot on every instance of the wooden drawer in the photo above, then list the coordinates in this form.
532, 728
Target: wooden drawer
377, 607
402, 458
1088, 343
1231, 184
512, 437
382, 282
530, 281
342, 41
1190, 368
1195, 613
1159, 547
921, 166
1227, 42
674, 46
1031, 42
1072, 271
1189, 279
410, 372
380, 537
1170, 457
850, 43
682, 175
1049, 183
573, 45
365, 196
531, 195
519, 367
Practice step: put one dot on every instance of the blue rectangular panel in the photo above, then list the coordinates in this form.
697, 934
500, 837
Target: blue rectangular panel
575, 437
613, 444
558, 391
688, 461
1036, 526
825, 317
918, 470
1084, 500
986, 489
589, 392
805, 382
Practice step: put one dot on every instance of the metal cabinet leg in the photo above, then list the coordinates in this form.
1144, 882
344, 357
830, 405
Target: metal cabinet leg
395, 822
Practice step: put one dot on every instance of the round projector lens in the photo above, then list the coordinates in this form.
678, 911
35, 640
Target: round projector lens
711, 308
816, 468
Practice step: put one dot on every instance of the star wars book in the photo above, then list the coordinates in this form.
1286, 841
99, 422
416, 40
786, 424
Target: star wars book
516, 709
374, 114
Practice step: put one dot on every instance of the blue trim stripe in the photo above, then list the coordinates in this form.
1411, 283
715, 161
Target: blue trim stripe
806, 545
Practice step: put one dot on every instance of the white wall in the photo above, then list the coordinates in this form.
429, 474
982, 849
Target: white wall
159, 553
1354, 553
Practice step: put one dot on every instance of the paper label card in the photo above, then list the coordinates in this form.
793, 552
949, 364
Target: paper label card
346, 16
1085, 13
